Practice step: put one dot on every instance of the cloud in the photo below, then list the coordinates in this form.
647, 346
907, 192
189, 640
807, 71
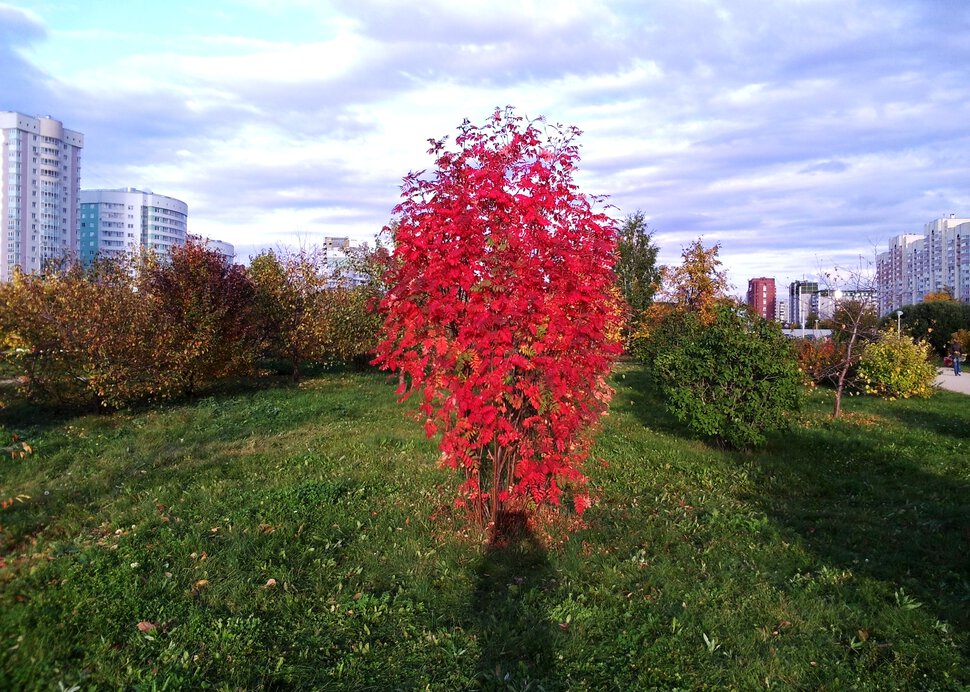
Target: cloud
24, 84
792, 133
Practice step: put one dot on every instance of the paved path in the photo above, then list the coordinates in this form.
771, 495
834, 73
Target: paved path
947, 380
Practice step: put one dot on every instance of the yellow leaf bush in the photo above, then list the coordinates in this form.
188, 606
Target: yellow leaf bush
897, 367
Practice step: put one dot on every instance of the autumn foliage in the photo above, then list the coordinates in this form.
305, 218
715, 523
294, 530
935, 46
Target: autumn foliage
147, 329
201, 305
501, 312
697, 287
305, 315
79, 337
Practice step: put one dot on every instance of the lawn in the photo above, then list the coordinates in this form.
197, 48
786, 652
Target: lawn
302, 537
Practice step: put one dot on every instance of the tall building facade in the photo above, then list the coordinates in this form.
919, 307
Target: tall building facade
119, 222
800, 295
761, 297
915, 265
781, 311
40, 174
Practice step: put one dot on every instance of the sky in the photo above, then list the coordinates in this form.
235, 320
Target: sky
800, 135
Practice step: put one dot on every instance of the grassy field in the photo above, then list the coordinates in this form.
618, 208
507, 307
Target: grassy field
301, 537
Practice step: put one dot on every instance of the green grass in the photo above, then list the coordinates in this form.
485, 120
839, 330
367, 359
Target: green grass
839, 557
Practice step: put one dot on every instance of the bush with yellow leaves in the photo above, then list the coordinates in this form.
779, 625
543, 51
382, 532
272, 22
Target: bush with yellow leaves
897, 367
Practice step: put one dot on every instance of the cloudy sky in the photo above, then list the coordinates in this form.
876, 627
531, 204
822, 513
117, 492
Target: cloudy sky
798, 134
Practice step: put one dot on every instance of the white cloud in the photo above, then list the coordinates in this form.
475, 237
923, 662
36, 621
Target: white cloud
793, 133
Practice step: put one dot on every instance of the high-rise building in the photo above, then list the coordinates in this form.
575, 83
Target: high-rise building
781, 311
40, 174
915, 265
800, 301
119, 222
761, 297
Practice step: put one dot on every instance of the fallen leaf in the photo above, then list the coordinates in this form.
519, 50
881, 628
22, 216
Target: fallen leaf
202, 582
269, 583
146, 626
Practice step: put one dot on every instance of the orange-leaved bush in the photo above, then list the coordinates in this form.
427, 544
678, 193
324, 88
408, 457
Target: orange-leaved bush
500, 311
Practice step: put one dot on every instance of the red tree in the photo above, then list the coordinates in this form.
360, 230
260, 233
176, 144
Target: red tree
500, 310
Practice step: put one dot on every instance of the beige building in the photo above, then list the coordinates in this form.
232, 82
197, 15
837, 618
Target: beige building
40, 174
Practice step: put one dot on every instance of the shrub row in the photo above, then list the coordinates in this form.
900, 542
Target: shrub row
126, 331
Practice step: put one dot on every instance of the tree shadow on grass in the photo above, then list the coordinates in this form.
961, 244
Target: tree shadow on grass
508, 607
925, 415
847, 495
649, 405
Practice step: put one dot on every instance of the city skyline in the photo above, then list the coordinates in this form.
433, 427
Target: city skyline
799, 136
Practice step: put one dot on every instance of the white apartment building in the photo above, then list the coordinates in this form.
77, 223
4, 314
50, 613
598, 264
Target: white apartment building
40, 175
227, 250
781, 311
120, 222
915, 265
339, 262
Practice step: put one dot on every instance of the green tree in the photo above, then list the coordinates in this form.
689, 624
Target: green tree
934, 322
732, 377
637, 273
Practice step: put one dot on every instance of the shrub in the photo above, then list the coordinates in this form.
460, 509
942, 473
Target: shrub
732, 379
352, 325
117, 333
501, 311
305, 317
80, 337
202, 306
817, 359
897, 368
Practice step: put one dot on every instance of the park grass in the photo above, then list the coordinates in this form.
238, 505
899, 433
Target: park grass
302, 537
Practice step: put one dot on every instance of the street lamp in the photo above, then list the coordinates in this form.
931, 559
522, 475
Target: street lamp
899, 321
